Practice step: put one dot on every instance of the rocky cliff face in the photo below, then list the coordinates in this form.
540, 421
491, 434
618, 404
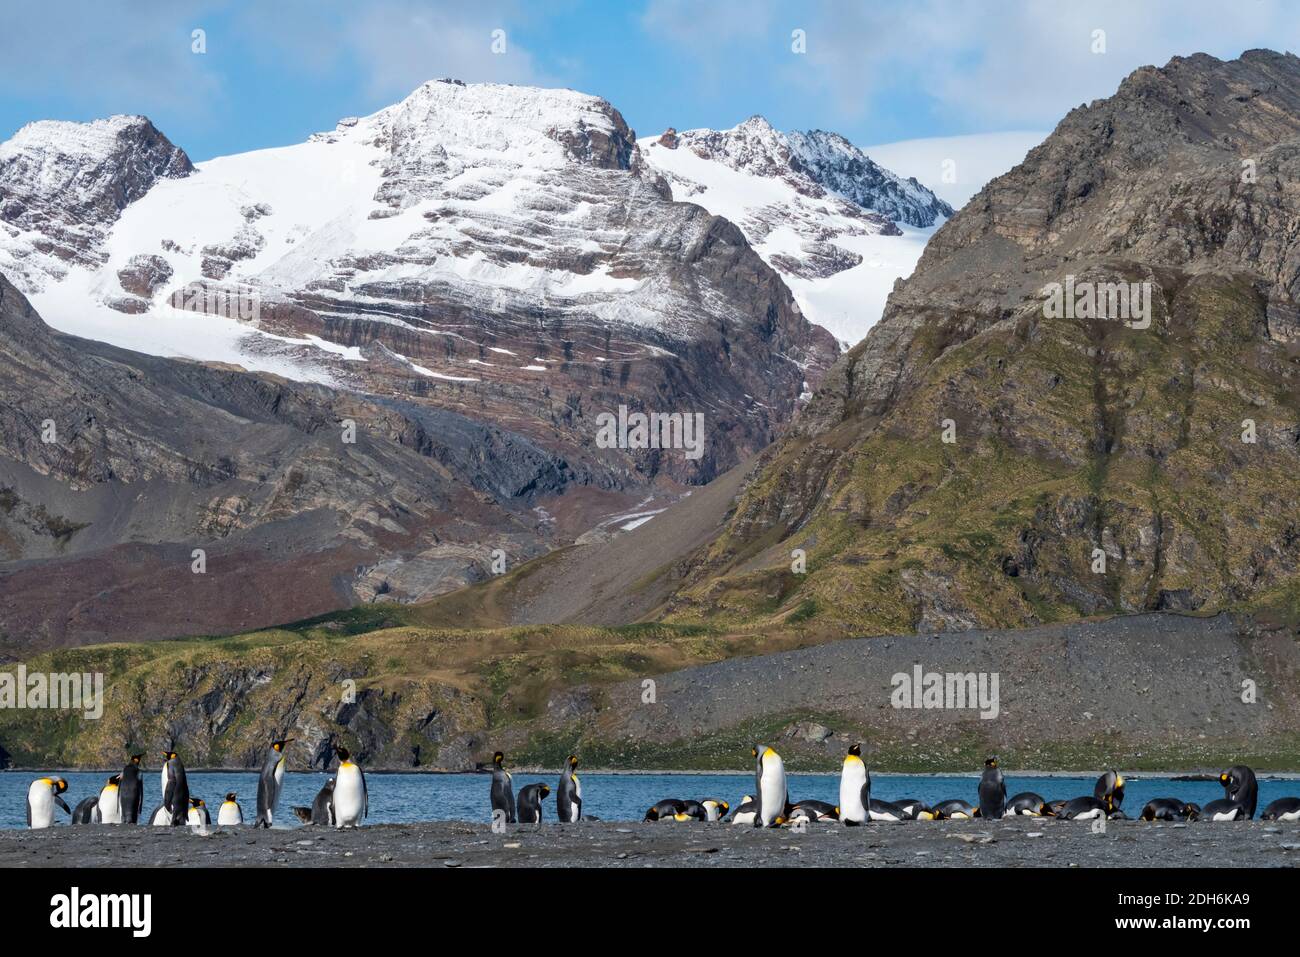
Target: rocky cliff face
992, 456
64, 185
115, 467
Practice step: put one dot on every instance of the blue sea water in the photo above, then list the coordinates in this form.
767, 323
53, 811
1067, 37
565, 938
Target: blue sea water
406, 797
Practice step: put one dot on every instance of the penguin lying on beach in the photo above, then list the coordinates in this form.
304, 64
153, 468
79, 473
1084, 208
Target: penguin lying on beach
1169, 809
1283, 809
1224, 809
914, 808
85, 810
666, 809
715, 809
885, 811
954, 810
1084, 809
1027, 804
745, 811
811, 811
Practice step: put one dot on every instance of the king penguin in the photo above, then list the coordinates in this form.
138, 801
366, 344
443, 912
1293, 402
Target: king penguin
86, 811
746, 811
1283, 809
109, 806
992, 790
176, 791
230, 813
198, 815
42, 798
769, 782
531, 797
715, 809
1027, 804
349, 801
131, 791
1240, 785
503, 793
855, 788
322, 806
568, 799
1165, 809
160, 816
1224, 809
270, 782
1109, 790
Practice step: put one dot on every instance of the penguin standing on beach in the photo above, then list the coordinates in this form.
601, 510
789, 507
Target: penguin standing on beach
769, 782
322, 806
855, 788
531, 797
349, 800
108, 807
86, 810
715, 809
42, 798
1239, 785
992, 791
1109, 790
176, 792
230, 813
130, 790
503, 792
270, 782
568, 798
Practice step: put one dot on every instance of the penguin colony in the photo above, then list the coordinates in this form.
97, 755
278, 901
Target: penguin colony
344, 800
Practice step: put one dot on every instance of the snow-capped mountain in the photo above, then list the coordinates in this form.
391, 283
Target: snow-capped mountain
63, 186
501, 251
838, 227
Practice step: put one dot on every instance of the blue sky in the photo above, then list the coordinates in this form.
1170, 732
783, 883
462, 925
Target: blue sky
876, 71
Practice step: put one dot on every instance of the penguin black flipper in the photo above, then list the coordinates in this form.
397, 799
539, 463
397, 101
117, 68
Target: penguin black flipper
63, 804
365, 795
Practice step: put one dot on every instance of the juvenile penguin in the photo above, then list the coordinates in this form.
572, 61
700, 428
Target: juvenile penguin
230, 813
322, 806
992, 790
503, 792
270, 782
176, 792
109, 805
746, 811
855, 788
769, 782
531, 797
131, 791
198, 815
1283, 809
568, 798
1026, 804
42, 798
1240, 785
349, 801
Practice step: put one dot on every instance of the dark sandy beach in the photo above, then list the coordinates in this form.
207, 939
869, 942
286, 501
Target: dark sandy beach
1020, 843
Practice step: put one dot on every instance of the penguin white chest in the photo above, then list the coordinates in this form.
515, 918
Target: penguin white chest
110, 806
230, 814
162, 817
40, 799
349, 796
853, 777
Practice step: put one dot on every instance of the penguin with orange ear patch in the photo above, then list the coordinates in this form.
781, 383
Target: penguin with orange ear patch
769, 782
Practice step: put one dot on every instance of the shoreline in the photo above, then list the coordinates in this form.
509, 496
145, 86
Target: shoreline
1199, 774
